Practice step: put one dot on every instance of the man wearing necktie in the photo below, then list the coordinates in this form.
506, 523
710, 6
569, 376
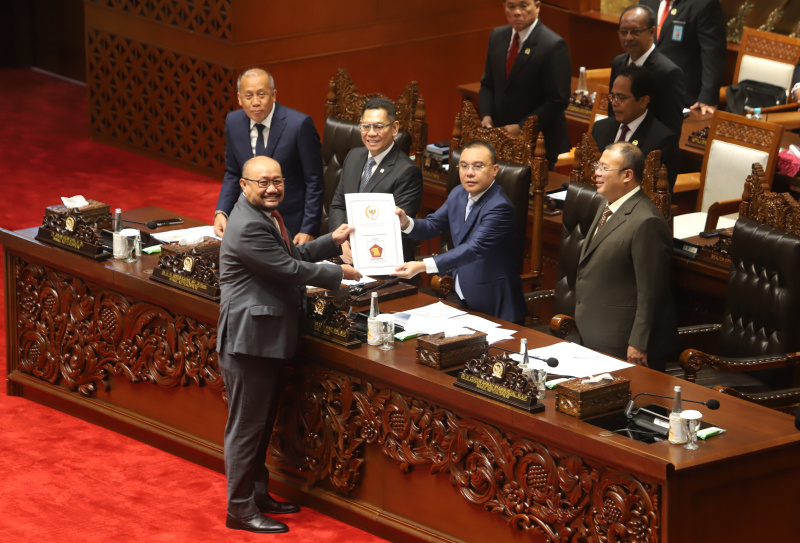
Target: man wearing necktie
623, 305
527, 73
380, 166
692, 35
480, 219
637, 29
633, 122
264, 127
263, 275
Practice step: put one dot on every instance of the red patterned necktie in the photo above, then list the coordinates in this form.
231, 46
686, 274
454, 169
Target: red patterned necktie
667, 5
623, 131
282, 227
512, 53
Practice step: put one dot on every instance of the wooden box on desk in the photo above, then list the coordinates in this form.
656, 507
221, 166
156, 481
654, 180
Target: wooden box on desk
441, 352
93, 210
584, 400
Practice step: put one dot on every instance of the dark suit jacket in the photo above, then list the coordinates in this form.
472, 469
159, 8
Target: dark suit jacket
622, 286
650, 135
539, 84
294, 143
483, 252
396, 174
263, 284
701, 50
667, 101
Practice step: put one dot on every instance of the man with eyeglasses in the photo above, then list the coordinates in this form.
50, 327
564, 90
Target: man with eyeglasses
264, 127
528, 72
262, 278
480, 219
636, 32
380, 166
623, 305
691, 33
632, 122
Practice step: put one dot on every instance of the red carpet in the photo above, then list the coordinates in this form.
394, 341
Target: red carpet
64, 479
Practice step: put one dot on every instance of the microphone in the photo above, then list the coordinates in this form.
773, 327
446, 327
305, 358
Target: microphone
711, 404
552, 362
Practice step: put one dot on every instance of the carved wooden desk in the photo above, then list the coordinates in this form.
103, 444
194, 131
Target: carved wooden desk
373, 438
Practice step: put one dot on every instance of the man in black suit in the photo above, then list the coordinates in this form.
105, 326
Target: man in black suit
636, 33
692, 35
262, 278
527, 73
623, 305
379, 166
264, 127
632, 122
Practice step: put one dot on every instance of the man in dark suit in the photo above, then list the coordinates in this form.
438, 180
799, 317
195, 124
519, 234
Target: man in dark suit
527, 73
380, 167
623, 303
692, 36
480, 218
632, 122
262, 278
636, 33
264, 127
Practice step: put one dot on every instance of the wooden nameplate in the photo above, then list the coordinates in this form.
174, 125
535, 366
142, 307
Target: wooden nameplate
185, 283
500, 378
72, 243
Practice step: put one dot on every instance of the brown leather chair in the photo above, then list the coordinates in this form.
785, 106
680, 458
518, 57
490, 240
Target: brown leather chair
342, 134
760, 332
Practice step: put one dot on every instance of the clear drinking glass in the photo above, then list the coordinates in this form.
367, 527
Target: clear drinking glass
387, 331
691, 420
129, 237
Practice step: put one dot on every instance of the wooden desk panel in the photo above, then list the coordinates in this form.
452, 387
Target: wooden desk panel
382, 442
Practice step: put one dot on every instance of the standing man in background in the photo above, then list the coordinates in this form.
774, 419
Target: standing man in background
691, 33
528, 72
265, 128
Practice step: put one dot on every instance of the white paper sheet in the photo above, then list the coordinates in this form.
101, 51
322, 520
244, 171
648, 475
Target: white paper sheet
375, 243
573, 360
176, 235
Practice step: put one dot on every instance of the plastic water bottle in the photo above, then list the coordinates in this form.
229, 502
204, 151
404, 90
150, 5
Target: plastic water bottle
119, 242
757, 113
374, 326
677, 433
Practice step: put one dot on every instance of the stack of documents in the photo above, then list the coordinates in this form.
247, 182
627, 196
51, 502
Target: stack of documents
440, 317
573, 360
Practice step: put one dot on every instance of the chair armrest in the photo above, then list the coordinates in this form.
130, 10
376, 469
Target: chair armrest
782, 400
532, 279
718, 209
562, 325
699, 329
692, 360
539, 295
687, 182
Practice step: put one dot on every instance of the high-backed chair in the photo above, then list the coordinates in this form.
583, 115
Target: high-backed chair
342, 134
766, 57
523, 175
735, 143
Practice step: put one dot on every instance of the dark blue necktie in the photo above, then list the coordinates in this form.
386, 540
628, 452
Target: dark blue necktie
261, 149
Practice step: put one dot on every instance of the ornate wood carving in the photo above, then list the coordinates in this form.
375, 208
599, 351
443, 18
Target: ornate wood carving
209, 17
656, 184
519, 149
157, 99
745, 133
586, 154
786, 50
75, 333
778, 209
345, 102
736, 24
774, 18
327, 421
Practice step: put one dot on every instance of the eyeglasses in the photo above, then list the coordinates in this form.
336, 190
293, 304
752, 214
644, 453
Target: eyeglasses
635, 32
598, 167
261, 95
478, 167
378, 127
618, 98
265, 183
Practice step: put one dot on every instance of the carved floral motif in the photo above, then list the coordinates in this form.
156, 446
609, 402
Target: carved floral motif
75, 333
327, 421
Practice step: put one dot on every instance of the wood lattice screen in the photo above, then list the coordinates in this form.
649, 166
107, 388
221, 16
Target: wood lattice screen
158, 100
207, 17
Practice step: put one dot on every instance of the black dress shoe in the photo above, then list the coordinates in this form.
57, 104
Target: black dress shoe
274, 507
257, 523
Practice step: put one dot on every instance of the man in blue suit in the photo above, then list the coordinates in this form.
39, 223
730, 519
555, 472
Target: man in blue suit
480, 218
265, 128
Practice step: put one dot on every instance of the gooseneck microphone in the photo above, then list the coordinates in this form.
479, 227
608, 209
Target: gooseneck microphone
552, 362
629, 411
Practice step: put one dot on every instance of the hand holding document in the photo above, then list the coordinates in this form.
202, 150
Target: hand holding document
375, 244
